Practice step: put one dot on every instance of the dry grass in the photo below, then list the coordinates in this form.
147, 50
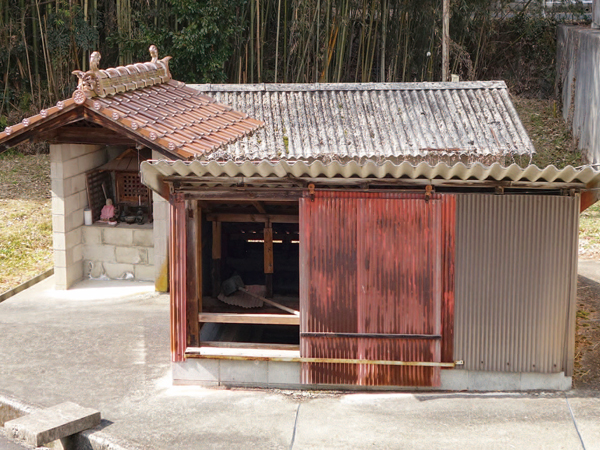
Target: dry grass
25, 218
550, 135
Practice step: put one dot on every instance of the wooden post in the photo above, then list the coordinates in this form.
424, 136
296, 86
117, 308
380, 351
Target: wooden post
193, 328
268, 238
216, 258
198, 226
446, 41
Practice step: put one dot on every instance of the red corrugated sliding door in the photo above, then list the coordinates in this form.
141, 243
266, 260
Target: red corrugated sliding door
377, 283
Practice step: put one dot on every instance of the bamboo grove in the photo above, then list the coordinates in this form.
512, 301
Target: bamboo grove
255, 41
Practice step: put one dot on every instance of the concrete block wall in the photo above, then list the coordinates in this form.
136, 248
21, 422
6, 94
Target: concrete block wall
68, 165
161, 214
121, 252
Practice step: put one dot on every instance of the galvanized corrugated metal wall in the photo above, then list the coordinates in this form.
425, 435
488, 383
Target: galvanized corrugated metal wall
516, 267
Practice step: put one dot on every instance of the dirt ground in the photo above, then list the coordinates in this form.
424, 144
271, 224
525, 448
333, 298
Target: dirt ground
587, 338
25, 218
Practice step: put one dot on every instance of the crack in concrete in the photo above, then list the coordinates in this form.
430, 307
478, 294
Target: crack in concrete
295, 426
575, 422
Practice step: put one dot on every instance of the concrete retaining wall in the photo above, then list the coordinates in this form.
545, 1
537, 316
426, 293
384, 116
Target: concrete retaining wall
121, 252
578, 82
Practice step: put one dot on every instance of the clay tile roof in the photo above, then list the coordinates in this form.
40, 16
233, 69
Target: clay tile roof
142, 102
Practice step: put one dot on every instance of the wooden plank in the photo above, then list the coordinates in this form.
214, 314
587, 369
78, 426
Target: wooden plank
268, 253
268, 259
264, 319
264, 218
216, 258
248, 345
274, 194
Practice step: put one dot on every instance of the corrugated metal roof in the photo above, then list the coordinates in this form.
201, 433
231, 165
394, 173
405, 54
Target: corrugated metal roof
154, 171
371, 120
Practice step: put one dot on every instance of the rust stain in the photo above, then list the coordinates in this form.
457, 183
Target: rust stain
375, 264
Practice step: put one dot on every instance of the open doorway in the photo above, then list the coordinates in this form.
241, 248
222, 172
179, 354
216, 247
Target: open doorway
250, 275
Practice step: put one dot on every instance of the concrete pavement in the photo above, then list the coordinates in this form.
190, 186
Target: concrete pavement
105, 345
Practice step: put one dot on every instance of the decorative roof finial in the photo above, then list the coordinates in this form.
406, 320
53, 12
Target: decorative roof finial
153, 53
94, 61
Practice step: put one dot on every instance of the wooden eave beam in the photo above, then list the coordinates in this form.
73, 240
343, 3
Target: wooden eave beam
86, 135
68, 116
236, 194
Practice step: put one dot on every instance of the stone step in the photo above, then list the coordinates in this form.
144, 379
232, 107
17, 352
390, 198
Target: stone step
50, 424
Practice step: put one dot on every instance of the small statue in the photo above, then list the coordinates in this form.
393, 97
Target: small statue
108, 211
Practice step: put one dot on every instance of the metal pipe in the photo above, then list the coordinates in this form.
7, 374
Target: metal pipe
372, 335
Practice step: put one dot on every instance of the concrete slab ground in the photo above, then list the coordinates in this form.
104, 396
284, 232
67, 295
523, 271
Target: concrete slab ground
105, 345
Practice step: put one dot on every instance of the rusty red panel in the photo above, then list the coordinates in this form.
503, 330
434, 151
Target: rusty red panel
373, 263
178, 277
448, 252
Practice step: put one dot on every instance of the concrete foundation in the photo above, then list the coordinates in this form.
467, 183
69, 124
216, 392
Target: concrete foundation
286, 375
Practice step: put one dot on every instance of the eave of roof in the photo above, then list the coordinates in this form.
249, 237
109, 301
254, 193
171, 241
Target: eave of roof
154, 173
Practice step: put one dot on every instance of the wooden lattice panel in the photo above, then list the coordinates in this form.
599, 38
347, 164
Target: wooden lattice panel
130, 188
96, 199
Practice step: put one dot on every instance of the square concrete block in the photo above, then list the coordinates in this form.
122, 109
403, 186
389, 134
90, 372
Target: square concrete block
150, 251
58, 204
143, 238
74, 273
73, 238
454, 380
91, 235
75, 220
196, 370
494, 381
99, 252
70, 168
56, 170
59, 241
91, 161
118, 271
283, 373
72, 203
57, 422
144, 272
244, 372
60, 278
58, 223
117, 236
131, 255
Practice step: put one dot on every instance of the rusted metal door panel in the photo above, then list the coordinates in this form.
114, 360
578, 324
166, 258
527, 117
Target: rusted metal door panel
386, 251
329, 278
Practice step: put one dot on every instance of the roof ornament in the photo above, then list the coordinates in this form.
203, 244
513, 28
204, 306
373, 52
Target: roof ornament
98, 82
